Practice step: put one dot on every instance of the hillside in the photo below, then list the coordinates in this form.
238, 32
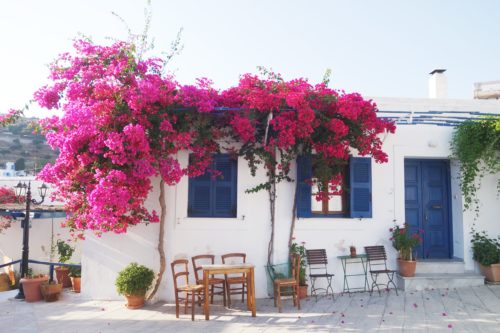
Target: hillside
17, 141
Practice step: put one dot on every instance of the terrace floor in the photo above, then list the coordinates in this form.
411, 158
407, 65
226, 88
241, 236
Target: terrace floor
473, 309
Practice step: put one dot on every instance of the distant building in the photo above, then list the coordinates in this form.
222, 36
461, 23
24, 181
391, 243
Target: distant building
10, 171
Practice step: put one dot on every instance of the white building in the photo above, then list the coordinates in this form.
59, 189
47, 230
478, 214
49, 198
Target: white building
10, 171
418, 185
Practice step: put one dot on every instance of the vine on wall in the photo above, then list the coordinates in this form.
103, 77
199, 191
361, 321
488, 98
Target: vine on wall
476, 144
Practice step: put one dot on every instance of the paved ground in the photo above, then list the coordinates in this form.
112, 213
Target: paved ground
475, 309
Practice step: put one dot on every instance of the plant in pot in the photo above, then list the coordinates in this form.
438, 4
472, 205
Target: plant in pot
50, 290
75, 274
31, 286
65, 252
301, 250
486, 251
352, 250
404, 242
133, 282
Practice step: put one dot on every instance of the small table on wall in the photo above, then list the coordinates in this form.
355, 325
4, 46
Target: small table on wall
248, 269
349, 260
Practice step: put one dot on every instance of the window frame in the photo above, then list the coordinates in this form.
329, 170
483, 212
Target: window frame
359, 192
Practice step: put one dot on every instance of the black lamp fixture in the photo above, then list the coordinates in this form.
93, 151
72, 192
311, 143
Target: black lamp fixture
24, 191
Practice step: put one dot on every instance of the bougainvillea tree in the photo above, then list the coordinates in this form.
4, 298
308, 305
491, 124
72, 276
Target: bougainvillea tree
124, 122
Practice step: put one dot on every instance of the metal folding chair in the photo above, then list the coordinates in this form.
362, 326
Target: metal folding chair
317, 262
377, 261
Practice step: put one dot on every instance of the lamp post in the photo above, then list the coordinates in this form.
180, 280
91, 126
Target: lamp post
23, 190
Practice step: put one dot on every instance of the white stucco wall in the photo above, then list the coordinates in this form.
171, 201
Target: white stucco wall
249, 232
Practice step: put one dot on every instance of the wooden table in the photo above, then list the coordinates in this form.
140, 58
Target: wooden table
248, 269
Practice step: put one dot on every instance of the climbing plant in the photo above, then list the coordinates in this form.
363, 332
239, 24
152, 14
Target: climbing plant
476, 144
124, 122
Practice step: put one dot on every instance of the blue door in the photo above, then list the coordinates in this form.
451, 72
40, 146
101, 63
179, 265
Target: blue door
427, 206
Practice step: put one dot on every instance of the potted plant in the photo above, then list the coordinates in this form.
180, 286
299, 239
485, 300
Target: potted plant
404, 242
486, 251
301, 250
352, 249
75, 274
65, 252
31, 286
133, 282
50, 290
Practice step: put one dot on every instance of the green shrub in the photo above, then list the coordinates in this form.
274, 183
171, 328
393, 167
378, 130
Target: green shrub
75, 271
64, 250
134, 279
485, 250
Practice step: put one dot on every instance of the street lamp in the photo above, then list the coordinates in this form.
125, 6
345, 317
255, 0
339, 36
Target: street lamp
24, 191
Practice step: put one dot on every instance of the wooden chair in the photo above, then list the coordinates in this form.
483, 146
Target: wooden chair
184, 287
292, 283
217, 286
240, 279
317, 262
377, 261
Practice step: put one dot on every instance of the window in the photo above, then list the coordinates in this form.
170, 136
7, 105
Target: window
335, 204
356, 200
214, 196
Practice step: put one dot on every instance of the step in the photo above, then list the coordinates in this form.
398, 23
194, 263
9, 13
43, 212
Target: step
440, 266
423, 281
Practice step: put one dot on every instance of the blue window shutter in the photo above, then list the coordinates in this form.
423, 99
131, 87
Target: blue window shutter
224, 191
210, 196
360, 175
304, 172
200, 197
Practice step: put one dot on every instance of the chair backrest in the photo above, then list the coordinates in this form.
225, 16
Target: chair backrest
182, 265
198, 261
296, 267
316, 260
234, 258
376, 255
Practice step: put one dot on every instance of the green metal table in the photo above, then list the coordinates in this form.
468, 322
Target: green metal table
349, 260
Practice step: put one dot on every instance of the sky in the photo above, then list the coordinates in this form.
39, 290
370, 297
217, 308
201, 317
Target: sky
379, 48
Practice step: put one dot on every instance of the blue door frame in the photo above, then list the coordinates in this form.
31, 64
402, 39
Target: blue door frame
428, 206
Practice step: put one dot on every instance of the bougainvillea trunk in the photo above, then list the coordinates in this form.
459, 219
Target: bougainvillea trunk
161, 241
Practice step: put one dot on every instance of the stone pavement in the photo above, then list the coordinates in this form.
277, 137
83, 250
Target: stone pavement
473, 309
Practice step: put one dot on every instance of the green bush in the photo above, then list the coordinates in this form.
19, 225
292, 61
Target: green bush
134, 279
75, 271
485, 250
64, 250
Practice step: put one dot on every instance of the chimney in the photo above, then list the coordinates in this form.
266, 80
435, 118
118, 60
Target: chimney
437, 84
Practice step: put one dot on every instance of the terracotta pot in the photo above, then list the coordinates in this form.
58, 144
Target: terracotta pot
62, 274
31, 288
303, 291
353, 251
135, 301
5, 283
407, 267
491, 272
50, 291
76, 282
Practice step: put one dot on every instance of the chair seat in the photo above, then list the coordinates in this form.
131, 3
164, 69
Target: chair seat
235, 280
285, 282
321, 275
382, 271
211, 281
190, 287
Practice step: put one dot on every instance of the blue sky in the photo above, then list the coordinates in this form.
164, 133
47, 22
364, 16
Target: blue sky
375, 47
